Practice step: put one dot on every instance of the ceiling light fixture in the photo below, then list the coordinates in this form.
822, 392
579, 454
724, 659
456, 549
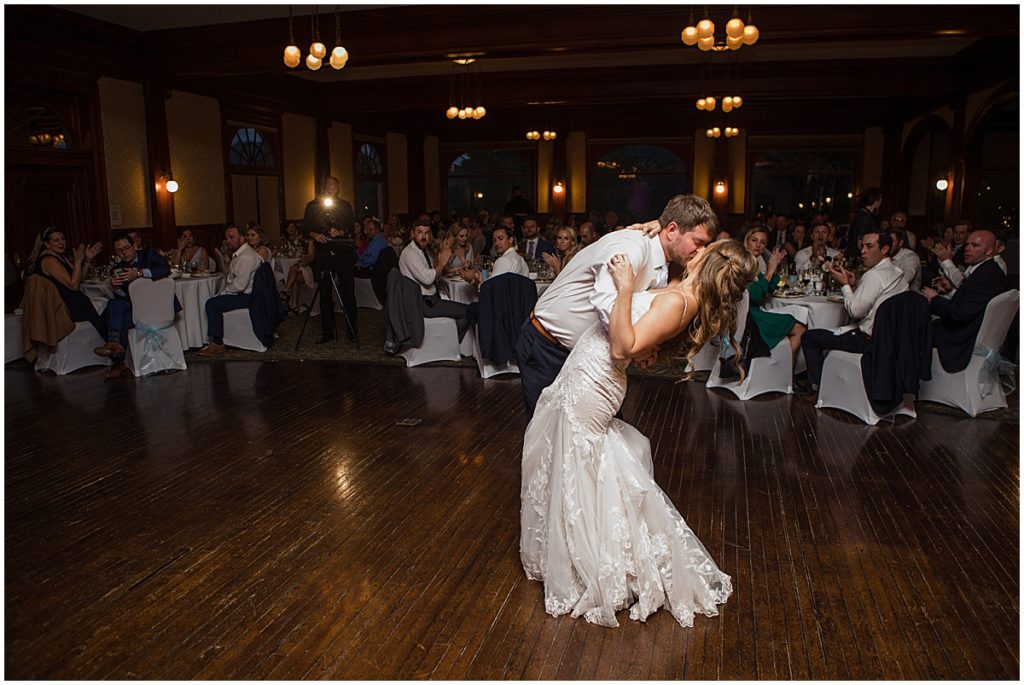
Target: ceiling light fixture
462, 111
737, 34
942, 184
317, 50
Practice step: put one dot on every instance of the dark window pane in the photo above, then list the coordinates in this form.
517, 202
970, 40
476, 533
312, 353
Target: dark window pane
484, 179
250, 148
636, 181
803, 183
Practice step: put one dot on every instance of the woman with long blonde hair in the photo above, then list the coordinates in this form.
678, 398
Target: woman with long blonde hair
565, 247
596, 528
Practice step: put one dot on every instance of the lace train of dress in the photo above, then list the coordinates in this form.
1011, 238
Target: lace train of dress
596, 528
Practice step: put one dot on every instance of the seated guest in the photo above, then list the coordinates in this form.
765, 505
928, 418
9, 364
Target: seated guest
771, 327
906, 259
951, 272
257, 240
756, 240
300, 272
509, 260
48, 259
961, 229
533, 245
565, 248
378, 242
818, 252
797, 241
882, 280
898, 221
189, 255
237, 289
136, 239
960, 314
133, 264
462, 251
588, 234
417, 263
292, 240
359, 233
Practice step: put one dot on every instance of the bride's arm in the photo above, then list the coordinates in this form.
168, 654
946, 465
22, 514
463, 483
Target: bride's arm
660, 323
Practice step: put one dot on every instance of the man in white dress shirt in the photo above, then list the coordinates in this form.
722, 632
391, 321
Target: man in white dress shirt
237, 289
509, 260
882, 280
906, 259
416, 263
584, 292
817, 252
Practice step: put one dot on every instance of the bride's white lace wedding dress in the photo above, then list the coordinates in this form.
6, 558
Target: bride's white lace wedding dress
596, 528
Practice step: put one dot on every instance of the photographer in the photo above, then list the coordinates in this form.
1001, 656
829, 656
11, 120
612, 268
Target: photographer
328, 221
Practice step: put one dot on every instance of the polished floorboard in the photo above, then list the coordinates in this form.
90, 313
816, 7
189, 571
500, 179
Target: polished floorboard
272, 520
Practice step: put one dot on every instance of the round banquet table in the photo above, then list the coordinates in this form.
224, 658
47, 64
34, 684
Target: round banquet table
192, 293
814, 311
458, 290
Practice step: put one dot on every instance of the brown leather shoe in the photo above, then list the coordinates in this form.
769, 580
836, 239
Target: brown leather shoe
211, 350
116, 371
110, 350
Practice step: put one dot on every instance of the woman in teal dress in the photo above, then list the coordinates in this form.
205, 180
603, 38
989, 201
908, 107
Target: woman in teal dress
772, 326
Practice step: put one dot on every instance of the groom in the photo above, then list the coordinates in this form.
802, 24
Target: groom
584, 291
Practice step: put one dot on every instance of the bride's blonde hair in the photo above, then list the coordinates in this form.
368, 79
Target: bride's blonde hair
723, 272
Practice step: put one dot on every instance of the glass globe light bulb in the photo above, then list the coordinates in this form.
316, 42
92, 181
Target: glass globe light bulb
292, 56
318, 50
313, 62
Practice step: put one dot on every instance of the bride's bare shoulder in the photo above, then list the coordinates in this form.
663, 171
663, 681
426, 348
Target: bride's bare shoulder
673, 302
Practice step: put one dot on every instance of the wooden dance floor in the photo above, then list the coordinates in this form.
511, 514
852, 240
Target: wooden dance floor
271, 520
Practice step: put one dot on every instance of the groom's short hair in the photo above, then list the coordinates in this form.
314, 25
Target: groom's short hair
688, 212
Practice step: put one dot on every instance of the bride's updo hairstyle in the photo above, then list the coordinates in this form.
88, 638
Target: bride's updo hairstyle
724, 270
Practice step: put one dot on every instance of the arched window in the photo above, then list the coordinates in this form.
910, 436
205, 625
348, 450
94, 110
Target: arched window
802, 182
369, 180
635, 181
250, 148
484, 179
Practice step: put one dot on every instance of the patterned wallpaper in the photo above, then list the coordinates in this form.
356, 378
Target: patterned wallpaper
298, 140
197, 159
123, 110
339, 138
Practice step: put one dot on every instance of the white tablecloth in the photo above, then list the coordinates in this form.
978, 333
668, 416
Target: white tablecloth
192, 293
814, 311
282, 265
458, 290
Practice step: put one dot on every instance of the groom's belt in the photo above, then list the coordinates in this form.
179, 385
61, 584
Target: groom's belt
544, 332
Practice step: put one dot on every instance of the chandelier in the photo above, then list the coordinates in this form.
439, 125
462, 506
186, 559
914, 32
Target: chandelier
534, 133
737, 34
729, 103
317, 50
717, 132
463, 111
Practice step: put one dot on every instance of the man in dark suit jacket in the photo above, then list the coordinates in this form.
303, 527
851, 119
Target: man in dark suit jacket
134, 264
533, 245
863, 222
960, 315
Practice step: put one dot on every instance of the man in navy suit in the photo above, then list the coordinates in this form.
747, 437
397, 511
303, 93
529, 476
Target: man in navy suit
134, 263
533, 245
960, 314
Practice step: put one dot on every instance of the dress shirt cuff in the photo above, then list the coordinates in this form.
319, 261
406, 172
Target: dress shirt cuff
147, 273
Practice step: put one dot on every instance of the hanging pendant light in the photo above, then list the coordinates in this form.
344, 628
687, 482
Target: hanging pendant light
339, 55
292, 54
316, 48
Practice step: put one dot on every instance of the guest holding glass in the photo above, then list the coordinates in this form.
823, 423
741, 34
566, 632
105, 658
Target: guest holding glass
462, 250
188, 255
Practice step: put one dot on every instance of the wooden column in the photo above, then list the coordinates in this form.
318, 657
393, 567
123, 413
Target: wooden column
158, 151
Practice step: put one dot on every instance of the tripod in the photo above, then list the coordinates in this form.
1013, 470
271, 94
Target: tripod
329, 274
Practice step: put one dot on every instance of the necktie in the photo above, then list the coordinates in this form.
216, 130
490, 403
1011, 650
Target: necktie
431, 265
529, 252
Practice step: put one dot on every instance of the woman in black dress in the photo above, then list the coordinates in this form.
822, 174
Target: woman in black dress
50, 261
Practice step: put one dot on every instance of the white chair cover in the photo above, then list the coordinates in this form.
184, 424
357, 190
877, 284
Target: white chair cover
73, 352
12, 337
486, 366
153, 344
842, 387
976, 389
365, 297
238, 331
705, 359
766, 374
440, 343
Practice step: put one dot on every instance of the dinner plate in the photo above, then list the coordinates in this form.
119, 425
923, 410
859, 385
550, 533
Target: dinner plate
791, 294
835, 298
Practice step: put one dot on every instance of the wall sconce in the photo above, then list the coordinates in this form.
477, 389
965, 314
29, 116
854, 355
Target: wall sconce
169, 183
942, 184
719, 187
559, 187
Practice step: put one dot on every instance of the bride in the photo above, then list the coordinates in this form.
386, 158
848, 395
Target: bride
596, 528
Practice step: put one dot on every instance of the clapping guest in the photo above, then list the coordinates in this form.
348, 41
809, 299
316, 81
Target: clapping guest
565, 249
417, 262
49, 260
188, 254
818, 252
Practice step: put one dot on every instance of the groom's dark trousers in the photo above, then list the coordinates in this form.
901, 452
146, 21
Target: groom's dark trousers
539, 359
